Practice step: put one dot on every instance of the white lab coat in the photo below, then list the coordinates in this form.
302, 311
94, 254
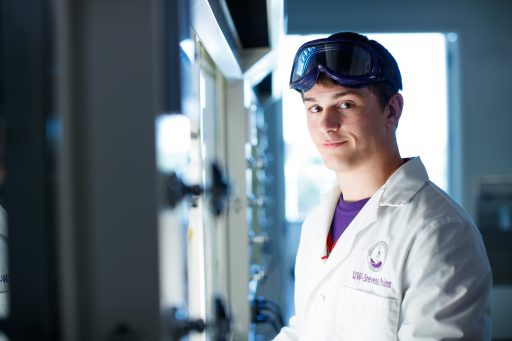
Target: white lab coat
410, 266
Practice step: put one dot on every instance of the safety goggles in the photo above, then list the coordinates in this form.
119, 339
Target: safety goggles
348, 63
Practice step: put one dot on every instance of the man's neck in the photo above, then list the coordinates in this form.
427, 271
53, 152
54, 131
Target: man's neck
362, 182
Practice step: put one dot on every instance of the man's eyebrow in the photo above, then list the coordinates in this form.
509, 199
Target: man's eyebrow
336, 95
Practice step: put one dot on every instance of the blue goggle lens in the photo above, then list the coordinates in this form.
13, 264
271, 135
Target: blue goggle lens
345, 62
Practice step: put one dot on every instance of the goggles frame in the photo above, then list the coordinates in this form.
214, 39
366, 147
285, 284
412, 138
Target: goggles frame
321, 46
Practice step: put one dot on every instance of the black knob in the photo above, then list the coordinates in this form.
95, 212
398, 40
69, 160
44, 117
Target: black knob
179, 327
177, 190
218, 191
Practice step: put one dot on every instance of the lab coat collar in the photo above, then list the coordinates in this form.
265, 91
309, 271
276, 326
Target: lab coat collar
398, 190
404, 183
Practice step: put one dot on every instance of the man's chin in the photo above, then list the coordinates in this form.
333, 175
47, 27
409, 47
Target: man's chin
337, 165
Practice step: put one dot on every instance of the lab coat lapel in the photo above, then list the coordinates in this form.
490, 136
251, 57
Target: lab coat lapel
319, 223
345, 243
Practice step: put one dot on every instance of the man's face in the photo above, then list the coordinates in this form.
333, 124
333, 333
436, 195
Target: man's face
348, 126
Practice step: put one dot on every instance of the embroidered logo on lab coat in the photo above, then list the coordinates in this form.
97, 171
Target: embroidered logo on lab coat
377, 256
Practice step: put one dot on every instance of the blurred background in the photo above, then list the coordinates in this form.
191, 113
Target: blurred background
155, 168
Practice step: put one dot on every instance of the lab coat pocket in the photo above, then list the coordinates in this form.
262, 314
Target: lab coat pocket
363, 315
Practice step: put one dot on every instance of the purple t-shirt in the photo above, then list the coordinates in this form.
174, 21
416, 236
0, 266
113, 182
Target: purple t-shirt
343, 216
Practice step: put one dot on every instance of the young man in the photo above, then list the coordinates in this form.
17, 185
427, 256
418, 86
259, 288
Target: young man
386, 255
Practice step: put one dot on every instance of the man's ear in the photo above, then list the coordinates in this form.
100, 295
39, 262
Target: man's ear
394, 110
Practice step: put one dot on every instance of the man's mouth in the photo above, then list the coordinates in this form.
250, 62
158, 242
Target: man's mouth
333, 144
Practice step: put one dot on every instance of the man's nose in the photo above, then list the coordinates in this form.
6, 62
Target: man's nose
331, 121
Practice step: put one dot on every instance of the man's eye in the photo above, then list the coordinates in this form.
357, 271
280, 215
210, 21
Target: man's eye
314, 109
344, 105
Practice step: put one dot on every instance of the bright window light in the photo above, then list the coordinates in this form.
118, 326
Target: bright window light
422, 131
173, 142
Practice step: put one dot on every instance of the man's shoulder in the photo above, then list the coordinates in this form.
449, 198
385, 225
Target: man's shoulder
438, 206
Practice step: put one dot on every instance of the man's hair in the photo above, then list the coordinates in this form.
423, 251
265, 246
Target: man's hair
392, 82
384, 91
